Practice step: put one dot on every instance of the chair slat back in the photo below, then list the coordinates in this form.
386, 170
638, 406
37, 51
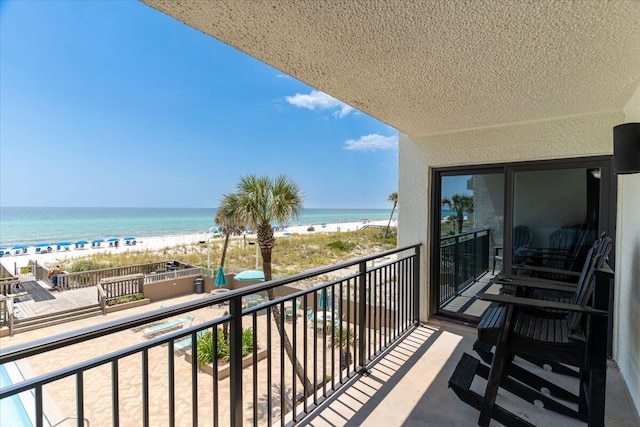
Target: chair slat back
596, 258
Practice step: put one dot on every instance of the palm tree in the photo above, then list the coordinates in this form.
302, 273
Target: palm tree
451, 219
228, 222
393, 197
259, 202
459, 203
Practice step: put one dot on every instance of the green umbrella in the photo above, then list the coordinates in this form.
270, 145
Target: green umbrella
220, 279
324, 299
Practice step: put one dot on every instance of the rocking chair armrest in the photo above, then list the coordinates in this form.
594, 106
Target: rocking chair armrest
536, 303
507, 279
605, 271
546, 270
552, 286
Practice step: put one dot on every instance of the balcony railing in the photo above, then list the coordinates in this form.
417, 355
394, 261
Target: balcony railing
463, 258
338, 328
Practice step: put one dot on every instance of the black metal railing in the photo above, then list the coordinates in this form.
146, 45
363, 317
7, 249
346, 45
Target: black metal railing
463, 258
315, 339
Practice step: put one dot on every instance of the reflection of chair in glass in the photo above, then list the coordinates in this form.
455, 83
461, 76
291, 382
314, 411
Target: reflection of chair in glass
566, 251
521, 241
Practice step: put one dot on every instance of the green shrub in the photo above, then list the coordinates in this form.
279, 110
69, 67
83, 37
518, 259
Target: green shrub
342, 246
126, 298
205, 346
341, 336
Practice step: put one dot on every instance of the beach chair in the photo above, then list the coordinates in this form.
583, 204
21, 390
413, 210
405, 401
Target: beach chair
290, 312
168, 326
185, 343
572, 334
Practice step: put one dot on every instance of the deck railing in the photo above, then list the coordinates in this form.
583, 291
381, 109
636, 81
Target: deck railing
340, 326
463, 258
172, 275
122, 286
84, 279
6, 313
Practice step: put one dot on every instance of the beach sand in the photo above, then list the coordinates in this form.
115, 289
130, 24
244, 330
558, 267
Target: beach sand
170, 241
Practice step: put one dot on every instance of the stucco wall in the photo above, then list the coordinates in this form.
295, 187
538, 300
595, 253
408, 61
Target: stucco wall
627, 284
580, 136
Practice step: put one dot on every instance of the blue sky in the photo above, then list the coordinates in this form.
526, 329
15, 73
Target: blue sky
114, 104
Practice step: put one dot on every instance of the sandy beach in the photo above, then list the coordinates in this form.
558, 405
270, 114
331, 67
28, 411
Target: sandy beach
169, 241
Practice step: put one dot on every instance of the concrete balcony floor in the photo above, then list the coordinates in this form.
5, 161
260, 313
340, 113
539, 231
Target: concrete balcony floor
408, 386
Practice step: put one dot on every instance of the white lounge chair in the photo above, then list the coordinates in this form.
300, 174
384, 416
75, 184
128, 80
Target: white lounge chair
168, 326
185, 343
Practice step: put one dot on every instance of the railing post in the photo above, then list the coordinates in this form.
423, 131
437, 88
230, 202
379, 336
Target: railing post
456, 263
416, 285
10, 316
362, 314
235, 361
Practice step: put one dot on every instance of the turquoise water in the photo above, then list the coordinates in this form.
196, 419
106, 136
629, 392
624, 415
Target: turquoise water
29, 226
12, 413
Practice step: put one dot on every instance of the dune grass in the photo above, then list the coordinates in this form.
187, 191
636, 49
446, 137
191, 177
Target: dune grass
292, 254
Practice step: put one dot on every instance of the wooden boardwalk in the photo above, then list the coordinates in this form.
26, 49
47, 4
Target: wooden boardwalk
76, 298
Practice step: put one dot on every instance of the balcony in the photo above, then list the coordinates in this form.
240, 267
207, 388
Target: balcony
353, 331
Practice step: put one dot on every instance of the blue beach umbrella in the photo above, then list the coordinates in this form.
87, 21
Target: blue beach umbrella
130, 238
20, 249
82, 242
97, 242
40, 247
324, 299
250, 275
113, 239
220, 279
65, 243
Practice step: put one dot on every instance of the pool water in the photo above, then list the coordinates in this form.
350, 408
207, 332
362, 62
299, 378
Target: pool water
12, 410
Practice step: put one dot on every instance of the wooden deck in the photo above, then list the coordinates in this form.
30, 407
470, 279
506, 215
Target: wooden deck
66, 300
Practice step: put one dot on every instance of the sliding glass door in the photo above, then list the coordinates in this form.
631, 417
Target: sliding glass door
470, 206
490, 219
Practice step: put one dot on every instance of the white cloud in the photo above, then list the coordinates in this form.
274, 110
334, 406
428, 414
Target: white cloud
373, 142
283, 76
321, 101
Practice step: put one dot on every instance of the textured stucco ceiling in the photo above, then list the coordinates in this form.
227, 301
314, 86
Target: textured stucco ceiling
436, 66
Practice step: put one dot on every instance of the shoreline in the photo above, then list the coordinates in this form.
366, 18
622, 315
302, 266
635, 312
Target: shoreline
157, 243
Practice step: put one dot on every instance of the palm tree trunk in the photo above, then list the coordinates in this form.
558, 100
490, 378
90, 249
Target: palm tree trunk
386, 233
224, 249
266, 242
460, 220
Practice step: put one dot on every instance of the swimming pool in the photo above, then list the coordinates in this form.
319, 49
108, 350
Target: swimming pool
12, 410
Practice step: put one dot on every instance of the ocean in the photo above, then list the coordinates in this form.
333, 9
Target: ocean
29, 226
